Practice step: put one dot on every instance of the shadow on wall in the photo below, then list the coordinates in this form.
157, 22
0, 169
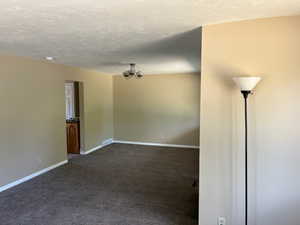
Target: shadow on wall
189, 135
158, 108
157, 127
185, 47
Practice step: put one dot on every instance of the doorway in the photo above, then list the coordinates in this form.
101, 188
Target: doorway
74, 117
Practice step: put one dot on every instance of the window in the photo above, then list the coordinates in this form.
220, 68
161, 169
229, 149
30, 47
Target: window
70, 101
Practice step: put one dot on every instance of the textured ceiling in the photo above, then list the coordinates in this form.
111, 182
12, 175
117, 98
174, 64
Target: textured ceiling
161, 36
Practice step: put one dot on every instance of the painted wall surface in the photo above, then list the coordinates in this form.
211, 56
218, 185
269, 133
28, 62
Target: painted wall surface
32, 115
98, 105
269, 48
157, 108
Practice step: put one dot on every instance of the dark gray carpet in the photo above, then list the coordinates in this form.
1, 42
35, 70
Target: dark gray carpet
118, 185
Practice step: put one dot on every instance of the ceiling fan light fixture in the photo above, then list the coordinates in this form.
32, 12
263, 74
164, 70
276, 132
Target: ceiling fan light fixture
132, 72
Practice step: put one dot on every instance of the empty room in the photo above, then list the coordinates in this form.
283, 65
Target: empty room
149, 112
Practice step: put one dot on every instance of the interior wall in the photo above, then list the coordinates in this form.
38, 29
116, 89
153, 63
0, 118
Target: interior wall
269, 48
33, 135
157, 108
97, 105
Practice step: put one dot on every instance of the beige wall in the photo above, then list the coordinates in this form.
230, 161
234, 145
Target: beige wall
98, 105
269, 48
157, 108
32, 131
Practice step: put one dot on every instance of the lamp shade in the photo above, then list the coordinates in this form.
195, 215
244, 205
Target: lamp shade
246, 83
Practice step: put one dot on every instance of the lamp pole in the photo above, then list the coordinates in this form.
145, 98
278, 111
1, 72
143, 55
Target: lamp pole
245, 95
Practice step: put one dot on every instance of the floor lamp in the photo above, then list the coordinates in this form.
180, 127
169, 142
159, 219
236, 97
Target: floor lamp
246, 85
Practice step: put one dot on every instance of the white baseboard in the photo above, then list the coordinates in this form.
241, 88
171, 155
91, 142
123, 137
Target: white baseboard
104, 143
155, 144
111, 141
24, 179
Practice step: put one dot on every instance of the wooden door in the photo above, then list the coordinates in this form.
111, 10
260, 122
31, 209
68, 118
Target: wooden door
73, 144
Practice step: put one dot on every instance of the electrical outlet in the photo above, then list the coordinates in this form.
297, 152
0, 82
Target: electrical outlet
221, 221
